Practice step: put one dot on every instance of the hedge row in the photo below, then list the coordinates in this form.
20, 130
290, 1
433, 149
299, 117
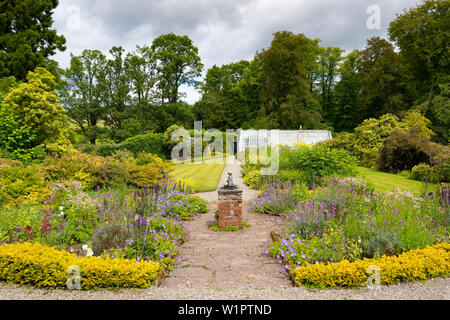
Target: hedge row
150, 142
419, 264
43, 266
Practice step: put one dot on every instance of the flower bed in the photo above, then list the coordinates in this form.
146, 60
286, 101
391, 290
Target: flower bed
420, 264
137, 223
344, 221
43, 266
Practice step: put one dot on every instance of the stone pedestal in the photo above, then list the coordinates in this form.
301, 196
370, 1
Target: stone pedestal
230, 207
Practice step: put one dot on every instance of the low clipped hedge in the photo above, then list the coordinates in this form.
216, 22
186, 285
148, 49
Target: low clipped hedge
419, 264
42, 266
149, 142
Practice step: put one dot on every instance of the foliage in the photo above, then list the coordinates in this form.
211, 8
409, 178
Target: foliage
178, 64
43, 266
82, 93
253, 179
38, 113
21, 184
215, 227
343, 140
27, 38
369, 136
381, 88
317, 162
422, 35
402, 150
423, 172
150, 142
420, 264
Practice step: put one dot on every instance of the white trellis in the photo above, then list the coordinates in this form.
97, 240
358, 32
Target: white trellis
249, 138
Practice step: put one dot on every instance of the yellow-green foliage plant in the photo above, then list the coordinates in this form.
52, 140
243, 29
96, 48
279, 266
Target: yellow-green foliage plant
42, 266
419, 264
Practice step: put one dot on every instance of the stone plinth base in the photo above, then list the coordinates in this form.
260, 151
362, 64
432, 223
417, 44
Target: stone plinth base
230, 207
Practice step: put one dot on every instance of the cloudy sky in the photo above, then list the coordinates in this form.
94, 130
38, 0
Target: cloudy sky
223, 30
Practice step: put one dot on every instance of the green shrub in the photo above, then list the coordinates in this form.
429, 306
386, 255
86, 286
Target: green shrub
343, 141
317, 162
22, 184
290, 175
253, 179
43, 266
150, 142
369, 136
423, 172
402, 150
144, 158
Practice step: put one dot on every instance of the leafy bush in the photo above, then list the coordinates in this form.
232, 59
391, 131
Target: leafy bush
150, 142
402, 150
43, 266
38, 117
146, 175
369, 136
423, 172
144, 158
253, 179
22, 184
342, 141
290, 175
317, 162
96, 171
420, 264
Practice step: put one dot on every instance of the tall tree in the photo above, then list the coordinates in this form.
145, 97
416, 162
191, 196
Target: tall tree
423, 36
220, 106
141, 68
83, 96
347, 115
178, 64
116, 87
285, 90
329, 59
26, 36
36, 106
380, 76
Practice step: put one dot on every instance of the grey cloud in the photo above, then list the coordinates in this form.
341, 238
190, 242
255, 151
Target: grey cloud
223, 30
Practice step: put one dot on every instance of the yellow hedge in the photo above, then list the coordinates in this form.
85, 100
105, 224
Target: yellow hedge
419, 264
43, 266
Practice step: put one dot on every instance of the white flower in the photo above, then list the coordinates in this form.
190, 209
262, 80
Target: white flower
62, 213
61, 208
84, 247
89, 252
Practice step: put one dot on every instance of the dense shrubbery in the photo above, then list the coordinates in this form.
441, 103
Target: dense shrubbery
43, 266
301, 163
138, 224
150, 143
21, 184
96, 171
423, 172
402, 150
80, 199
317, 162
420, 264
345, 220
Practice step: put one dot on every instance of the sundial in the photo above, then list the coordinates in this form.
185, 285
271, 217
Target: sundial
230, 184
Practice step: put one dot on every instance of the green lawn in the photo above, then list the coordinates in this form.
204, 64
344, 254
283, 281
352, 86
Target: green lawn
387, 182
203, 177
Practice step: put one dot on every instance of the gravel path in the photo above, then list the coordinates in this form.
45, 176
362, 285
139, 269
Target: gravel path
232, 266
433, 289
